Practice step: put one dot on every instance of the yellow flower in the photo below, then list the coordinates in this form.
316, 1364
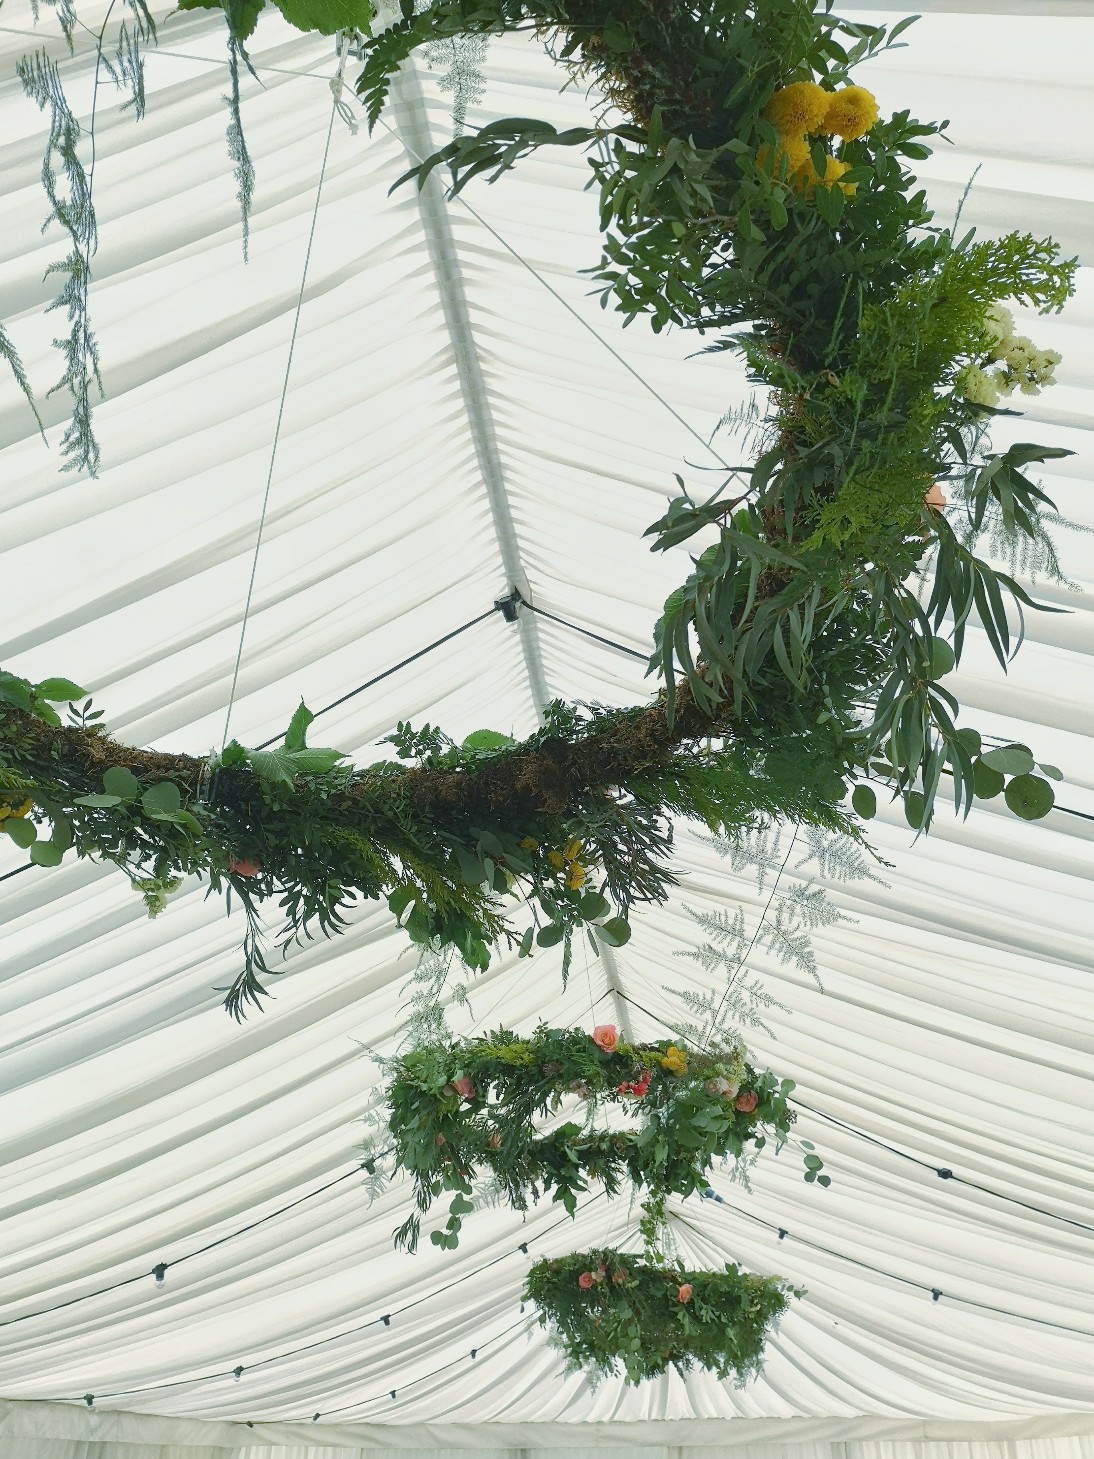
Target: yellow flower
798, 108
572, 851
575, 875
529, 844
833, 171
796, 151
15, 811
851, 113
674, 1060
557, 860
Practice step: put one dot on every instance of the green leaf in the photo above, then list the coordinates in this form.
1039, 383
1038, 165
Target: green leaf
233, 754
1030, 797
864, 802
986, 782
614, 932
23, 833
327, 16
549, 935
46, 853
942, 658
593, 905
400, 899
1051, 771
471, 868
813, 1162
60, 691
280, 766
915, 809
526, 942
164, 796
97, 801
461, 1206
121, 782
971, 741
297, 732
242, 15
15, 691
1009, 760
486, 739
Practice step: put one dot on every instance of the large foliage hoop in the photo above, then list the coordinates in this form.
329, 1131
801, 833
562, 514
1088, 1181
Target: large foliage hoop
607, 1309
754, 193
470, 1107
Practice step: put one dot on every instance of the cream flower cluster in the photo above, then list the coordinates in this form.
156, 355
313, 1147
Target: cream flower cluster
1020, 365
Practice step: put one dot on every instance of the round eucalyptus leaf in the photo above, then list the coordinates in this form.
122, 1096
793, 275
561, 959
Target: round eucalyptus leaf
943, 658
164, 796
121, 782
971, 741
986, 782
1009, 760
915, 808
1051, 771
46, 853
549, 935
1030, 797
23, 833
864, 802
615, 932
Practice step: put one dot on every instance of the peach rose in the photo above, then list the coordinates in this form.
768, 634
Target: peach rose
586, 1280
747, 1101
242, 867
606, 1037
464, 1086
684, 1293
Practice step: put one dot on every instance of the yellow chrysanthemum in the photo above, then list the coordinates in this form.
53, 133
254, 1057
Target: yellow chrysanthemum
794, 149
674, 1060
557, 860
575, 875
572, 851
798, 108
15, 811
529, 843
833, 171
850, 114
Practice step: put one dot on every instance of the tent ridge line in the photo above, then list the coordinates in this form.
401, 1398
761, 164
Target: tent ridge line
411, 128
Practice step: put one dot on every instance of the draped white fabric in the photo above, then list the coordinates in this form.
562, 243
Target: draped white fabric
461, 416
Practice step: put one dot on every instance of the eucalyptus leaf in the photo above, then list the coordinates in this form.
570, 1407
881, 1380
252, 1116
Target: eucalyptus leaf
121, 782
1009, 760
24, 833
1029, 797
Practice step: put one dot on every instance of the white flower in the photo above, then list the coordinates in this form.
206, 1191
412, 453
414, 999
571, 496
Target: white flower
978, 386
999, 323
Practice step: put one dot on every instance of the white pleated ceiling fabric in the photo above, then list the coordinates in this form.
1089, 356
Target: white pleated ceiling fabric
461, 417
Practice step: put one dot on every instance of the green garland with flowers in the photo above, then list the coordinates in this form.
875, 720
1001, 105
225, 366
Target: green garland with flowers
473, 1107
606, 1310
752, 193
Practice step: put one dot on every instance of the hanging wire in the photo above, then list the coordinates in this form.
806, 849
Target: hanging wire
280, 417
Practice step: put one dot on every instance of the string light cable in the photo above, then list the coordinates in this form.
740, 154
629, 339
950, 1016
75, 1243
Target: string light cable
239, 1369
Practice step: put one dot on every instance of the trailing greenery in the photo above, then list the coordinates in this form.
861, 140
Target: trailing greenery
462, 1108
606, 1310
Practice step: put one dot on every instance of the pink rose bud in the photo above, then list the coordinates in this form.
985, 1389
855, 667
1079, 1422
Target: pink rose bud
242, 867
606, 1037
586, 1280
464, 1086
747, 1101
495, 1140
684, 1294
441, 1140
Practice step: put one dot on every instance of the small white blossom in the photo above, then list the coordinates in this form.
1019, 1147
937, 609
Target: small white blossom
978, 386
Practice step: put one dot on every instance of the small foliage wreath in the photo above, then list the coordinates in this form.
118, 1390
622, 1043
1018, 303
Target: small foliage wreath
606, 1308
461, 1109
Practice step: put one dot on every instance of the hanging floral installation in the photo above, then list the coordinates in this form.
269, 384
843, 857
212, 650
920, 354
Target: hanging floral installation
753, 193
607, 1310
466, 1108
751, 190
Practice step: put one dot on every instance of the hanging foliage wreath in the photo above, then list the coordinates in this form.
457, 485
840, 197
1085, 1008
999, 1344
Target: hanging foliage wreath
607, 1309
752, 192
471, 1107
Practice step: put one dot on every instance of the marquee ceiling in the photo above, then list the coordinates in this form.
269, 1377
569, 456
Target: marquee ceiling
461, 417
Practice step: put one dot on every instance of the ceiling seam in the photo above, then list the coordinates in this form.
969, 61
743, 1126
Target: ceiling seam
411, 128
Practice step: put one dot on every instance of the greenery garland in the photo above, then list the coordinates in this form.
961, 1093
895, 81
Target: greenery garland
607, 1309
460, 1109
752, 191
